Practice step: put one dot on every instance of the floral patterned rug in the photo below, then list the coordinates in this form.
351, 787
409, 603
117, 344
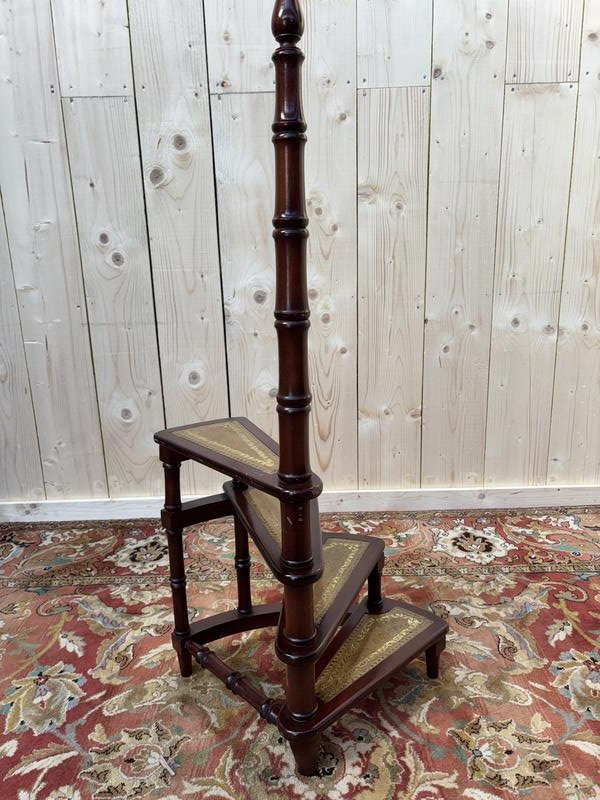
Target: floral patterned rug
93, 705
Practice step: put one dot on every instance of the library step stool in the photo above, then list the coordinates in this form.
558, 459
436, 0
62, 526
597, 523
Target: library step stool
335, 650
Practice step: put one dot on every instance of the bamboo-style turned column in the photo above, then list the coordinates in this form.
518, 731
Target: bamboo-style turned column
292, 322
290, 234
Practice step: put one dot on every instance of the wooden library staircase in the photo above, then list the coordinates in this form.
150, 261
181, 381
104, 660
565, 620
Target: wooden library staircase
335, 649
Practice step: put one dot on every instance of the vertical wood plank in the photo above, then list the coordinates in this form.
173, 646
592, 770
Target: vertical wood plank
393, 135
393, 43
543, 41
469, 45
41, 228
240, 45
245, 178
575, 427
330, 102
20, 467
175, 131
105, 166
92, 47
534, 190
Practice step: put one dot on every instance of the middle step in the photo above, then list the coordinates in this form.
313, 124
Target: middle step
348, 560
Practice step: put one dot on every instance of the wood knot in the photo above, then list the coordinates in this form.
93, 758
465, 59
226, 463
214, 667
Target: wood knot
156, 176
104, 238
194, 378
179, 141
117, 259
260, 296
367, 194
287, 23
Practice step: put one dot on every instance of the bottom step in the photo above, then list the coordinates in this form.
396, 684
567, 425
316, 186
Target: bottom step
366, 651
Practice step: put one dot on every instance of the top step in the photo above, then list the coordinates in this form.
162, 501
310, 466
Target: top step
236, 447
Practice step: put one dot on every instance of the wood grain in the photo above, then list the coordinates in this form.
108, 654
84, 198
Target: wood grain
543, 40
534, 189
393, 137
469, 42
38, 204
575, 427
240, 44
393, 43
540, 411
105, 166
20, 466
92, 47
175, 127
330, 103
245, 180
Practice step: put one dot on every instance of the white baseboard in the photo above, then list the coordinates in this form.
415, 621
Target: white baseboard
401, 500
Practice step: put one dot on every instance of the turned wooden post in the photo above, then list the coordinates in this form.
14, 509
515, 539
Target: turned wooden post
242, 568
292, 323
172, 465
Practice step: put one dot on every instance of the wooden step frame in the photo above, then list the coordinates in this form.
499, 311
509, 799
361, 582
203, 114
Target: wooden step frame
306, 643
190, 640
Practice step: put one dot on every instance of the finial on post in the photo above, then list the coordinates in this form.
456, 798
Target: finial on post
287, 23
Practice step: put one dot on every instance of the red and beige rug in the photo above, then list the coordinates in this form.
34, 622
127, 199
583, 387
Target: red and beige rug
93, 706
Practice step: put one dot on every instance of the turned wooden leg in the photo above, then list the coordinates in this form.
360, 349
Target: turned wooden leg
374, 598
176, 566
432, 657
301, 699
306, 753
242, 568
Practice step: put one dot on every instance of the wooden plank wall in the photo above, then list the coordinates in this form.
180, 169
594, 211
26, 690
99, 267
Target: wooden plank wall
453, 191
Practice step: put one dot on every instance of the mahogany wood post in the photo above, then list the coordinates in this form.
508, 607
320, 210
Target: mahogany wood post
292, 323
306, 753
432, 657
171, 466
242, 568
374, 598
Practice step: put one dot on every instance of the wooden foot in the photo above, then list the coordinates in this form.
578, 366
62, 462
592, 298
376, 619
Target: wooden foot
185, 664
432, 657
306, 751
